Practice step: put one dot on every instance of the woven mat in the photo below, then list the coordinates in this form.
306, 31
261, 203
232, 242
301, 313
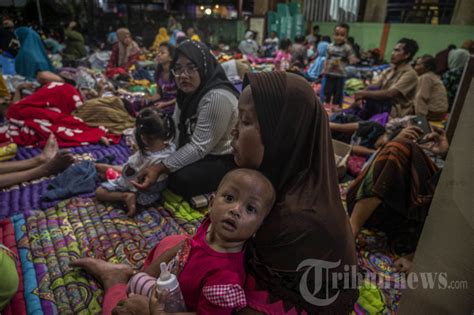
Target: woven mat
48, 240
120, 151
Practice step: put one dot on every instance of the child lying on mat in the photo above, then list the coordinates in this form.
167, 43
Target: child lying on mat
153, 134
210, 265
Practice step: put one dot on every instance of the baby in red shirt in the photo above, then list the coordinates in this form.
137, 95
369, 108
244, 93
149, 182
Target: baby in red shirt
210, 265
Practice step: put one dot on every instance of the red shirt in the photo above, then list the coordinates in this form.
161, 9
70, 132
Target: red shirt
212, 282
114, 59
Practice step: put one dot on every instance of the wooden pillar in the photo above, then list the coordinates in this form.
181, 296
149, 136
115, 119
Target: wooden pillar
384, 39
241, 5
260, 7
375, 11
463, 13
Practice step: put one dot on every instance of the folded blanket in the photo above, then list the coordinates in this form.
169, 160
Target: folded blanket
106, 112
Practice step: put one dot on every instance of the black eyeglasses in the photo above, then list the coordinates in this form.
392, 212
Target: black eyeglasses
188, 70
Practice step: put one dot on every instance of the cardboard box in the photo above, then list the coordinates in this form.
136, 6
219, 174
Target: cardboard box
342, 152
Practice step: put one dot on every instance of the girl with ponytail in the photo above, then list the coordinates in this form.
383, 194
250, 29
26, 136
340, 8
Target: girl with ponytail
154, 132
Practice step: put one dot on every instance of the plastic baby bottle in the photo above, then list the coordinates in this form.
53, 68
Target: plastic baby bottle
174, 301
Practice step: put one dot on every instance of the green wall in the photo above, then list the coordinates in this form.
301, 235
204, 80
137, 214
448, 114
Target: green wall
231, 31
431, 38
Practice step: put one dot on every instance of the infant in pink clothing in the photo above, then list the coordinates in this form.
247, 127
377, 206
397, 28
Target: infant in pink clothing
210, 265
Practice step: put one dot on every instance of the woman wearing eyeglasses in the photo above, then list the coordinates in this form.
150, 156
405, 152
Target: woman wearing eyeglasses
205, 114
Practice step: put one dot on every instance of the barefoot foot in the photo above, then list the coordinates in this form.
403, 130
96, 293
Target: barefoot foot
50, 149
131, 202
106, 273
61, 161
104, 141
403, 264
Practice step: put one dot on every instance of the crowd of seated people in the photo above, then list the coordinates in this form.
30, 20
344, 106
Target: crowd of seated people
191, 128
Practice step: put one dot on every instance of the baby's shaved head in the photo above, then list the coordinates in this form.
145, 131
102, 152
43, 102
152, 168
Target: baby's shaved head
256, 181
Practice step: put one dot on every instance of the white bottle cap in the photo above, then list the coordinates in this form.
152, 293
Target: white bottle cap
166, 280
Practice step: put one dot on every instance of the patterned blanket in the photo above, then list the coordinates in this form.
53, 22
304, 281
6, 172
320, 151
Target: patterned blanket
375, 262
48, 240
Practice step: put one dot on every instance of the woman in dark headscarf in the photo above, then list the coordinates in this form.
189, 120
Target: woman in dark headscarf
457, 60
205, 114
283, 131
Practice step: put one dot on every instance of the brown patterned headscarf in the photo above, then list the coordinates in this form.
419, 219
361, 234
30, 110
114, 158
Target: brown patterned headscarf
308, 220
125, 51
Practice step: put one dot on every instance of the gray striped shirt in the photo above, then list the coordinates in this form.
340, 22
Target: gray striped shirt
216, 116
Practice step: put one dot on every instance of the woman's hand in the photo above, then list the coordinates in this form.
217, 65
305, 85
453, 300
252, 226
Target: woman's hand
436, 142
134, 304
411, 133
161, 105
359, 95
157, 302
148, 176
25, 85
72, 25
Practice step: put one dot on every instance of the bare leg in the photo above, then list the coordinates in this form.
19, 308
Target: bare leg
129, 198
106, 273
363, 209
60, 162
49, 151
44, 77
17, 166
404, 264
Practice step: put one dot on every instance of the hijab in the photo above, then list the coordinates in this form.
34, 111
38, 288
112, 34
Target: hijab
308, 220
174, 37
458, 58
212, 77
32, 56
468, 45
122, 34
317, 66
249, 35
125, 51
